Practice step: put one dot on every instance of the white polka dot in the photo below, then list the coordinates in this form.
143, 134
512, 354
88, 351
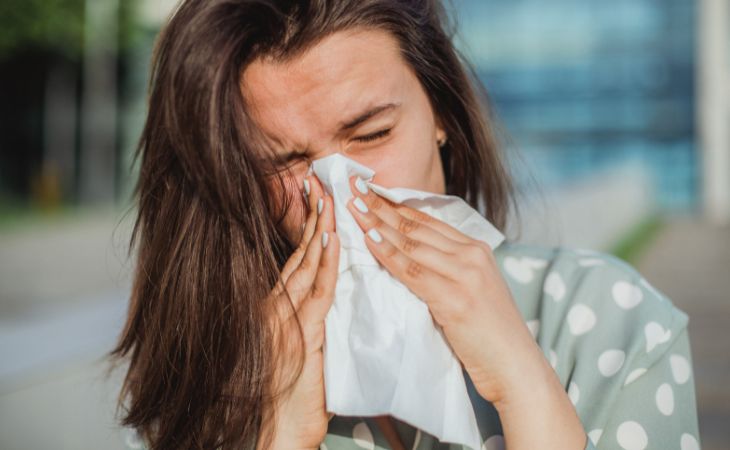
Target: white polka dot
323, 446
581, 319
688, 442
610, 362
521, 269
535, 263
681, 370
362, 436
636, 373
554, 286
588, 262
655, 335
626, 295
631, 436
495, 442
573, 393
534, 326
595, 435
553, 358
665, 399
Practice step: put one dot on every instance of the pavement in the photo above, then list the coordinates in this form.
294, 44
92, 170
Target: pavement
689, 260
58, 275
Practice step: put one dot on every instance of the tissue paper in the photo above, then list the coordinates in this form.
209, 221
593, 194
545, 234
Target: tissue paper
383, 352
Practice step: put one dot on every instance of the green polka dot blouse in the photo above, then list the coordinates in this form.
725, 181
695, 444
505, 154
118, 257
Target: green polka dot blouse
618, 345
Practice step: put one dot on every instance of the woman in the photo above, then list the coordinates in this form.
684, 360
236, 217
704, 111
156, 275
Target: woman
238, 250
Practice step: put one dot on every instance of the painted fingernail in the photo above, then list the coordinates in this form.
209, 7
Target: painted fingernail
361, 186
306, 186
360, 205
325, 238
374, 235
320, 205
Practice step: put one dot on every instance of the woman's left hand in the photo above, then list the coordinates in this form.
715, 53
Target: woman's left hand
459, 280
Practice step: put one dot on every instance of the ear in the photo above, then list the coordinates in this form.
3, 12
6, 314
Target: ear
440, 131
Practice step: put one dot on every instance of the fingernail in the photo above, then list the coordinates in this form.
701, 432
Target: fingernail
360, 205
320, 205
306, 186
361, 186
374, 235
325, 238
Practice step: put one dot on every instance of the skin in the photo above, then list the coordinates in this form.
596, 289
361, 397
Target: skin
300, 105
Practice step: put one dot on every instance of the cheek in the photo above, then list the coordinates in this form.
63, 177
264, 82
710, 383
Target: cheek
406, 161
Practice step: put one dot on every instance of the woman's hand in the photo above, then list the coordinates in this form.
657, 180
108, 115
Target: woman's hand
309, 276
459, 280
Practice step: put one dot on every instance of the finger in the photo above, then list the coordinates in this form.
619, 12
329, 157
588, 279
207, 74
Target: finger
420, 251
329, 214
302, 277
321, 295
420, 279
408, 221
309, 226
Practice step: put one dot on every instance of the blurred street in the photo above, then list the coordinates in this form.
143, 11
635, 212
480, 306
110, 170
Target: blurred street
615, 118
690, 262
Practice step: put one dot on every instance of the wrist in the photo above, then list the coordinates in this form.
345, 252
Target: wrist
535, 410
529, 377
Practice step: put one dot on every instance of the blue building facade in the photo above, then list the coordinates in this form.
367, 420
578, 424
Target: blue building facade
581, 85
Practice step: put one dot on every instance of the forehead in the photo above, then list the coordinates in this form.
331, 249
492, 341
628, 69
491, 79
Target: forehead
308, 96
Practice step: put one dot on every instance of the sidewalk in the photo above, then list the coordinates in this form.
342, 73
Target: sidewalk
690, 262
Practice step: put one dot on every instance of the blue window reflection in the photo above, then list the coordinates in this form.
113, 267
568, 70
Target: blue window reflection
585, 84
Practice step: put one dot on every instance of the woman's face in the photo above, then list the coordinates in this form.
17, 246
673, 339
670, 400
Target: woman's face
351, 93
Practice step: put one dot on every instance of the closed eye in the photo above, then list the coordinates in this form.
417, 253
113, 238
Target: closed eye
373, 136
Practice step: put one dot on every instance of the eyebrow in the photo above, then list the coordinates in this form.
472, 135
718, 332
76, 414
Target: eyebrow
365, 115
349, 124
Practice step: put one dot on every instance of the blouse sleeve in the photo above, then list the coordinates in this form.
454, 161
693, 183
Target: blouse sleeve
619, 346
656, 408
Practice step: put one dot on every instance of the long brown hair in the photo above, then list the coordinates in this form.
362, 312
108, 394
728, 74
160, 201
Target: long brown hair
208, 234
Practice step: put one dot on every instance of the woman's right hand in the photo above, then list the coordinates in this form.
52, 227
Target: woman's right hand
309, 276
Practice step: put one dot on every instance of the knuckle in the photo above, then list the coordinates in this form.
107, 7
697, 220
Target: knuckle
306, 264
417, 215
377, 222
406, 225
376, 203
471, 271
409, 244
485, 247
475, 254
423, 217
318, 292
390, 251
414, 270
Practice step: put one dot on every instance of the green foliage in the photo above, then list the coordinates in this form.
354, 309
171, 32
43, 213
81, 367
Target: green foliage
56, 26
631, 246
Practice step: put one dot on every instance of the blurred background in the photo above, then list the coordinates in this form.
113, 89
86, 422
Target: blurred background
618, 117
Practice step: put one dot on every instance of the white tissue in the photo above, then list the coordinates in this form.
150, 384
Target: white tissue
383, 352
